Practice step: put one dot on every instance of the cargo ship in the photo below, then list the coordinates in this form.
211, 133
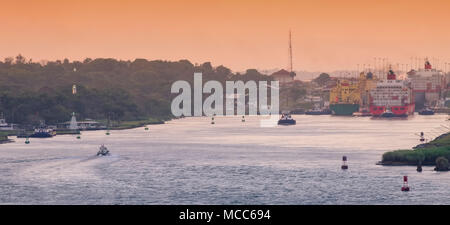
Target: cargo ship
428, 85
392, 97
345, 98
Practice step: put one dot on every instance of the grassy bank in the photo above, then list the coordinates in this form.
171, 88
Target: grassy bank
4, 137
424, 153
67, 131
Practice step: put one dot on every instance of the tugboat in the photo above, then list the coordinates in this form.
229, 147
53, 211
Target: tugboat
426, 112
388, 114
286, 119
103, 151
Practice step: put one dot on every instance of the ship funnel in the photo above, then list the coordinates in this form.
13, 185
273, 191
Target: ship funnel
391, 75
427, 65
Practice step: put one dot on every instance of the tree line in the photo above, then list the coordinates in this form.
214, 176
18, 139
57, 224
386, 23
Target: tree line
107, 88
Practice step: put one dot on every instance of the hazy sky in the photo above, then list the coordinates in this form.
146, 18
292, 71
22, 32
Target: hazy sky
240, 34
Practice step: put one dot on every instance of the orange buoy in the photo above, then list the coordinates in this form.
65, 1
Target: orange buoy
405, 186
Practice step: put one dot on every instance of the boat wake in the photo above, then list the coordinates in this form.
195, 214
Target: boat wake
67, 170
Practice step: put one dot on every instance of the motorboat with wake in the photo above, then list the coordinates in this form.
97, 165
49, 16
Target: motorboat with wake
286, 119
103, 151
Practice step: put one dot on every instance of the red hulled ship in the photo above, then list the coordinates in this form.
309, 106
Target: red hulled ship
392, 97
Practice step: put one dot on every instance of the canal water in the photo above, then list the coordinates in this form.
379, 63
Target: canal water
191, 161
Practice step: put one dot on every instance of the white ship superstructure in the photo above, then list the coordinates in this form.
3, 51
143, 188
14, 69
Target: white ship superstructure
427, 84
392, 95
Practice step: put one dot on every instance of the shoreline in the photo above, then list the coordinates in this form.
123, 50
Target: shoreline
394, 163
122, 126
4, 139
136, 124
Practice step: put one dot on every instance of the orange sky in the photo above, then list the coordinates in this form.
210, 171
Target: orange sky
327, 34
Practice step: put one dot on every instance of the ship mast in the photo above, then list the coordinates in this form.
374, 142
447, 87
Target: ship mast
290, 65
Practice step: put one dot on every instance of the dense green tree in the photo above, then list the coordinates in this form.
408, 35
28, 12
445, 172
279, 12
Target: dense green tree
322, 79
106, 88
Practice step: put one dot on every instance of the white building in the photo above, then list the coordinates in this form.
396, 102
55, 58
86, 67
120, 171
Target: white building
6, 126
88, 124
283, 76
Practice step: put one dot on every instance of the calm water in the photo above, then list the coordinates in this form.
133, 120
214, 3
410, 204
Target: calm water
190, 161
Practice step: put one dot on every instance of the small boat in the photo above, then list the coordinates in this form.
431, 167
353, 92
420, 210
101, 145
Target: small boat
327, 111
103, 151
364, 112
317, 111
426, 112
388, 114
286, 119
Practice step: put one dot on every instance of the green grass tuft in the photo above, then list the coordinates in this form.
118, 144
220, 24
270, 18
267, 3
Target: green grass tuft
439, 147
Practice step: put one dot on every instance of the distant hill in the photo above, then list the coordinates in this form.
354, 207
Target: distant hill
106, 88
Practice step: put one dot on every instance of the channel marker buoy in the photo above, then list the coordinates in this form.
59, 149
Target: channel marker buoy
419, 167
405, 186
344, 163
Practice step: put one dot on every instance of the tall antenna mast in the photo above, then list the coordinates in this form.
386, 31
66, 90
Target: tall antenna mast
290, 52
